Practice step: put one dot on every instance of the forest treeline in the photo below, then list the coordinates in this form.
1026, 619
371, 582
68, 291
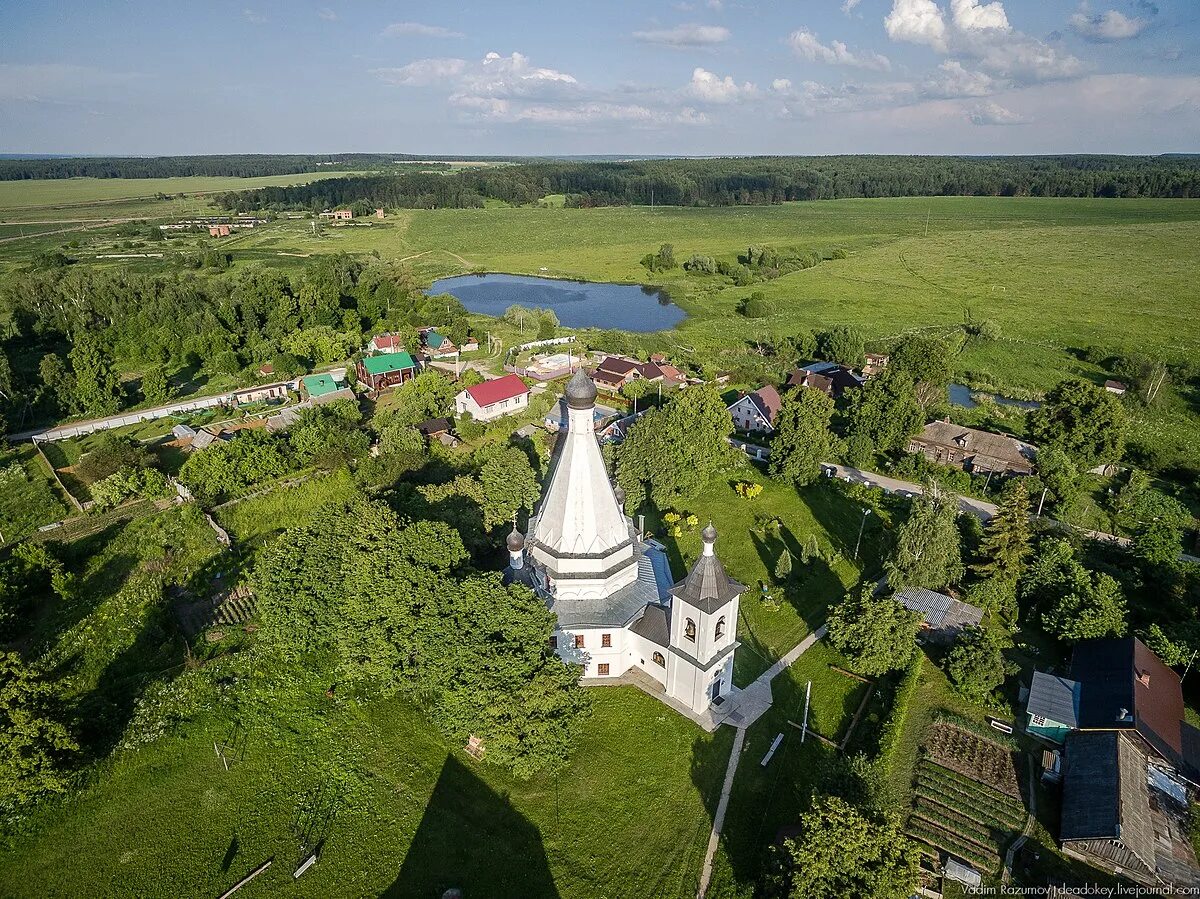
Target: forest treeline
235, 166
747, 181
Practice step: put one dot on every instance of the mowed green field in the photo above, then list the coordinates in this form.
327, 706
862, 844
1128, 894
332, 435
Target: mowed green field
23, 196
1054, 273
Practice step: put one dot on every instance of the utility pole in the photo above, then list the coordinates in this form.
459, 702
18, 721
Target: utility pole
861, 528
1042, 500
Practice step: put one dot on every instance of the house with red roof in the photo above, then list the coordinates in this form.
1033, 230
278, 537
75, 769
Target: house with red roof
756, 411
386, 343
492, 399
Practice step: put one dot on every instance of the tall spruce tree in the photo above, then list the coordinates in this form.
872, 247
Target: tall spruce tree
1006, 543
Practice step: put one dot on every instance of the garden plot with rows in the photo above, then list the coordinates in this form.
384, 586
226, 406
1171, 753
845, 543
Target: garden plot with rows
967, 797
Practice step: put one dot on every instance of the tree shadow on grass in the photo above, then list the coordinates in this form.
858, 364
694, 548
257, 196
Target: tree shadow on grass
473, 839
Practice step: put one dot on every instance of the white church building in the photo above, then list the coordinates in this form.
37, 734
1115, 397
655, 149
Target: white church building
612, 592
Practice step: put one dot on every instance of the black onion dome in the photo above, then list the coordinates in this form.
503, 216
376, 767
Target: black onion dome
516, 541
581, 392
709, 534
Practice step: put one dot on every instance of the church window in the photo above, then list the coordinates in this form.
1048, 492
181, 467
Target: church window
579, 641
658, 659
606, 640
720, 631
602, 669
689, 630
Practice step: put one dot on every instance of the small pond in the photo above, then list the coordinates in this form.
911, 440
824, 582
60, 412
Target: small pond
960, 395
578, 304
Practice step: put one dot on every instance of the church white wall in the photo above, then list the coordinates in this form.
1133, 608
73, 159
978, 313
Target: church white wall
640, 652
593, 654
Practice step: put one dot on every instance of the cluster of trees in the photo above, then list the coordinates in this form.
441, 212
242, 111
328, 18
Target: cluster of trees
67, 334
389, 606
672, 452
748, 181
234, 165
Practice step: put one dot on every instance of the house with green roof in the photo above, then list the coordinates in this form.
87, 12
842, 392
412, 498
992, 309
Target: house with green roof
381, 372
319, 385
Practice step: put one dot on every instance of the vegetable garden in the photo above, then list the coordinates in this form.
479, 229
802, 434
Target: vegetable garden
966, 798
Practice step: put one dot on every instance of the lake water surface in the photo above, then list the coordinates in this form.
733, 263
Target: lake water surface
578, 304
960, 395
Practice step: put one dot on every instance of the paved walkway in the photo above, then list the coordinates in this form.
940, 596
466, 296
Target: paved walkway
735, 755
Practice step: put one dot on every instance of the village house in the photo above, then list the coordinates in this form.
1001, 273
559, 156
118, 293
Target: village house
831, 379
943, 618
288, 416
614, 372
318, 384
337, 215
433, 428
492, 399
262, 393
755, 412
386, 343
439, 346
876, 362
1127, 754
381, 372
972, 450
1117, 387
218, 230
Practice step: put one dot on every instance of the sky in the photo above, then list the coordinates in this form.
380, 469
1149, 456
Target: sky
682, 77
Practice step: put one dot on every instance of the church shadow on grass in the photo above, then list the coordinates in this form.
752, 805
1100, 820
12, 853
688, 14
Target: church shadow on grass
473, 839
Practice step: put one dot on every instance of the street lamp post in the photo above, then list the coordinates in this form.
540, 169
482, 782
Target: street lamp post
861, 527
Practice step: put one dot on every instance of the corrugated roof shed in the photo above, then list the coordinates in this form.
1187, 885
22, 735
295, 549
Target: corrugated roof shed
933, 606
1054, 698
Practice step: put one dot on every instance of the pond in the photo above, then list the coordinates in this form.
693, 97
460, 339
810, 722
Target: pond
578, 304
960, 395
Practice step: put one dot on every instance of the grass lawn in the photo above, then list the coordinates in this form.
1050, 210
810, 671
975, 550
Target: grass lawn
750, 554
251, 522
765, 799
28, 496
410, 817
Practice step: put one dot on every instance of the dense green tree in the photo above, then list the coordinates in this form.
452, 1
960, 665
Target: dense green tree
1084, 420
111, 452
34, 747
844, 851
885, 411
156, 389
802, 439
230, 467
783, 566
757, 306
1058, 472
841, 344
874, 631
928, 361
634, 390
329, 435
672, 452
97, 388
976, 663
1008, 539
429, 395
928, 544
509, 484
1093, 606
1051, 571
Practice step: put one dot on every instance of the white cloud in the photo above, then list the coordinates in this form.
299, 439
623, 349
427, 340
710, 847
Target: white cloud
422, 72
970, 15
848, 6
254, 18
400, 29
805, 43
781, 84
981, 33
712, 88
689, 36
918, 22
990, 113
327, 14
953, 79
1107, 26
